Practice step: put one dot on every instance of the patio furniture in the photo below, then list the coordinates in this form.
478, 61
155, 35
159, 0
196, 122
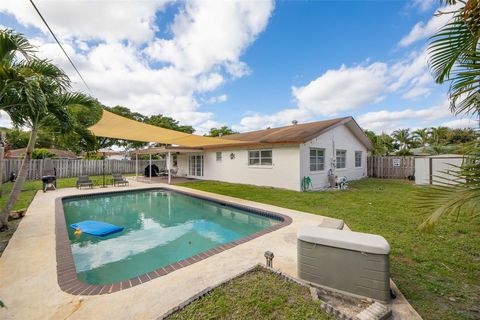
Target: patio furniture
84, 181
350, 262
118, 180
174, 171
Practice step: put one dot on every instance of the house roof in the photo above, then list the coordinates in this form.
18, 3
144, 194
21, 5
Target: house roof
19, 153
293, 133
298, 133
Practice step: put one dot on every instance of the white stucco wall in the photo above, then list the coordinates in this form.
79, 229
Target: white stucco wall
283, 173
338, 138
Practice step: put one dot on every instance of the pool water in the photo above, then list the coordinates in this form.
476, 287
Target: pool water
161, 227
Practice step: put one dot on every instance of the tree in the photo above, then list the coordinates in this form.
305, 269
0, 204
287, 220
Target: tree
17, 138
439, 135
383, 143
34, 93
454, 58
168, 123
422, 136
457, 136
219, 132
403, 137
42, 154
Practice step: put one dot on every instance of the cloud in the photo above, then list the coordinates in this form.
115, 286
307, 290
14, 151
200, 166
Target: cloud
349, 88
385, 120
342, 89
125, 62
217, 99
461, 123
423, 5
423, 30
206, 34
90, 20
254, 121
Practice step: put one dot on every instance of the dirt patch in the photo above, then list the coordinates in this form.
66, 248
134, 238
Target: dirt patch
7, 234
404, 260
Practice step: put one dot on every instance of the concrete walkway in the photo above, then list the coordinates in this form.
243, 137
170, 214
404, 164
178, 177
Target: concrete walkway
28, 277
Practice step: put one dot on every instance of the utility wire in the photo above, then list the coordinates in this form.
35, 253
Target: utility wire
56, 39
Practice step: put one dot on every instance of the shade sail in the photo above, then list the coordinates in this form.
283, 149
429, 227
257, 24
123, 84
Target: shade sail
112, 125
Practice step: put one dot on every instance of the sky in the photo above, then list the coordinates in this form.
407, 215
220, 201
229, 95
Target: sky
248, 64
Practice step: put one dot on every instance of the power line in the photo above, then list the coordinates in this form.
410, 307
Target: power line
58, 42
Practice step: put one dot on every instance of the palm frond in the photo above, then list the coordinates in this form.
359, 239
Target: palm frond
453, 56
44, 68
456, 192
11, 43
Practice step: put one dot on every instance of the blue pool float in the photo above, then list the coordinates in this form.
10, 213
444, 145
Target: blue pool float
96, 228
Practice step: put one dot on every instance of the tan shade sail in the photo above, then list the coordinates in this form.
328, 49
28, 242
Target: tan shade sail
118, 127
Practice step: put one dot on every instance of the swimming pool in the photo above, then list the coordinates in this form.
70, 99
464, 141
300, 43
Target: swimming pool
164, 230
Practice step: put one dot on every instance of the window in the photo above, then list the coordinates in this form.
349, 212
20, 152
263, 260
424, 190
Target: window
196, 166
358, 159
341, 159
260, 157
219, 156
317, 159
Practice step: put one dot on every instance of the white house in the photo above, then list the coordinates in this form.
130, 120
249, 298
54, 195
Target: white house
282, 157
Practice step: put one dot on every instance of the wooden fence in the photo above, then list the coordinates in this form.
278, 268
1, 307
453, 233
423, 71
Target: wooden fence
66, 168
391, 167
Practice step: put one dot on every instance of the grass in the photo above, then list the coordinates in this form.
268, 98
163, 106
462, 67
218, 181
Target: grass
31, 187
438, 272
250, 297
29, 190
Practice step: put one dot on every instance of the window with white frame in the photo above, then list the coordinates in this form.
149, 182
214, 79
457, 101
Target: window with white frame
317, 159
260, 158
341, 159
219, 156
358, 159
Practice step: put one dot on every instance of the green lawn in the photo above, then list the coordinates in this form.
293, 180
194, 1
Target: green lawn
438, 272
28, 192
250, 297
31, 187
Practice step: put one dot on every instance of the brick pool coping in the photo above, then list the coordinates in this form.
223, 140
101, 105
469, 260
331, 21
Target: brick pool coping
66, 272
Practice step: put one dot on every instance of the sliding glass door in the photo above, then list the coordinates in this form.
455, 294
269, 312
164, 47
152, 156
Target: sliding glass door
196, 166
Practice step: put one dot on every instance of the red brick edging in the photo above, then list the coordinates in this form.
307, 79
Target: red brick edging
66, 271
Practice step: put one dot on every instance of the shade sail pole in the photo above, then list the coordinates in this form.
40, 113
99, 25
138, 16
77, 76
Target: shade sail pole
168, 168
150, 166
136, 165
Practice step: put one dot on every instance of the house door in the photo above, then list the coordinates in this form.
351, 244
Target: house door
196, 166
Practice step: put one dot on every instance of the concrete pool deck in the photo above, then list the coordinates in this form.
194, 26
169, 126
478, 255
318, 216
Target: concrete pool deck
28, 275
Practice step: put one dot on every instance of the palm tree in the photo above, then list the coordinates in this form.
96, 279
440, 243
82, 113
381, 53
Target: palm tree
439, 135
454, 57
422, 136
403, 137
35, 93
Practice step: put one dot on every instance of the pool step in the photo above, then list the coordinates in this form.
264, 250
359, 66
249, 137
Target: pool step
376, 311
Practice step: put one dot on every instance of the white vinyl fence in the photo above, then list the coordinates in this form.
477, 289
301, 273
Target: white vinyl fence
66, 168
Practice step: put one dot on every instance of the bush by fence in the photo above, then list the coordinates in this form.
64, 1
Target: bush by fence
66, 168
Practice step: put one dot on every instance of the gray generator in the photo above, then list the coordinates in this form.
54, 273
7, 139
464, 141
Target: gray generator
350, 262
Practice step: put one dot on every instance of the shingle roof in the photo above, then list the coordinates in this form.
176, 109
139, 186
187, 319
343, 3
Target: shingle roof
296, 133
19, 153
